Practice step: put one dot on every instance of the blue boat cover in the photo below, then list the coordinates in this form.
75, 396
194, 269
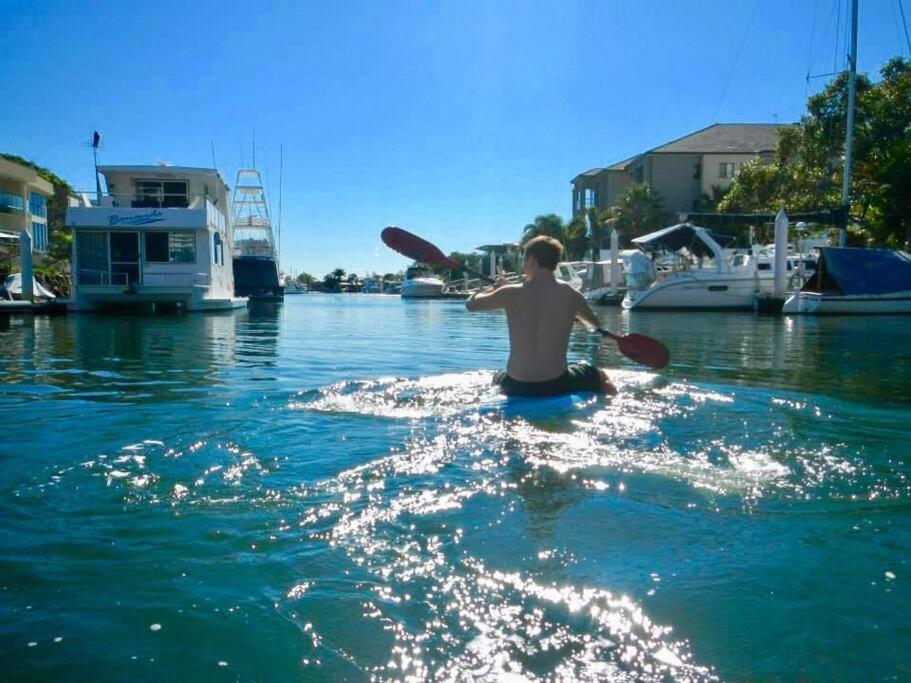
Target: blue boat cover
862, 271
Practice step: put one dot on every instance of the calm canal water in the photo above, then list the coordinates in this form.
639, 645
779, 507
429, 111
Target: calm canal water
331, 490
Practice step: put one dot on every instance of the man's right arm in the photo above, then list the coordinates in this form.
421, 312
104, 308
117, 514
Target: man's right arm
585, 314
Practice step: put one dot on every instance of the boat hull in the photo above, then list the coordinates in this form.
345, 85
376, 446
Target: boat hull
256, 277
422, 288
821, 303
697, 293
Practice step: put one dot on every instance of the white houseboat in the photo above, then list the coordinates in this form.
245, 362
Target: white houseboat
161, 235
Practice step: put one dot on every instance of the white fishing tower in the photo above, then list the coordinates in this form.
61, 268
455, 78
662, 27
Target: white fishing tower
252, 226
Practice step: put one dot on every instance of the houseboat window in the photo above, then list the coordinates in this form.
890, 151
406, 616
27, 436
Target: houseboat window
37, 205
157, 247
182, 246
217, 253
764, 266
161, 193
170, 247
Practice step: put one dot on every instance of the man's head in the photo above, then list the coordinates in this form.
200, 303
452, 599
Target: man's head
546, 251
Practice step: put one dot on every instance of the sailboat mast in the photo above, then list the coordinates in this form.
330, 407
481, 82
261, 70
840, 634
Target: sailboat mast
849, 128
281, 158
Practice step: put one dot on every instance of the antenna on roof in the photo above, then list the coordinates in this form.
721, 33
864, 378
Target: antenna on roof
96, 140
214, 165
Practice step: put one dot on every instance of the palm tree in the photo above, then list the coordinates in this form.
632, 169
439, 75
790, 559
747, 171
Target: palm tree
599, 226
638, 212
550, 224
576, 239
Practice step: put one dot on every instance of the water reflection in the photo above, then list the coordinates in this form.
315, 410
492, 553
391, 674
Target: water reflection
129, 357
852, 357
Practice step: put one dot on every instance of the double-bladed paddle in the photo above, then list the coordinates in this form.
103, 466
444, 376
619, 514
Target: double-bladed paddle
637, 347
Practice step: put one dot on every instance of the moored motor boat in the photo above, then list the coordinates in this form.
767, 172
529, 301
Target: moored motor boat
855, 281
421, 283
687, 267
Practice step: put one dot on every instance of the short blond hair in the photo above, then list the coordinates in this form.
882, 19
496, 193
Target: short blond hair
546, 250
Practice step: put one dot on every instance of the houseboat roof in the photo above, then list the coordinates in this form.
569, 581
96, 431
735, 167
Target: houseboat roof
157, 169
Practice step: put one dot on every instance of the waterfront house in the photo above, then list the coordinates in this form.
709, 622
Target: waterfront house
159, 235
23, 215
681, 171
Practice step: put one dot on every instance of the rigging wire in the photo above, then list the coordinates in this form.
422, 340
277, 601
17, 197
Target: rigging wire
817, 49
901, 10
837, 36
810, 49
743, 40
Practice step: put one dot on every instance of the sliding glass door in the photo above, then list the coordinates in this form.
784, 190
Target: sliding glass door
108, 258
93, 258
125, 258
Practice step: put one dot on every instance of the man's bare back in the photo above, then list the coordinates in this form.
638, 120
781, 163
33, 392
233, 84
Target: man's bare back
540, 312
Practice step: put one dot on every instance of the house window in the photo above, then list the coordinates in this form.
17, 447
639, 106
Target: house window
160, 193
639, 174
697, 171
589, 198
39, 236
10, 203
170, 247
726, 169
37, 205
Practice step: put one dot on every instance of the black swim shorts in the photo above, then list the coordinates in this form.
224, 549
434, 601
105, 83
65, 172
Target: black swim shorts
578, 377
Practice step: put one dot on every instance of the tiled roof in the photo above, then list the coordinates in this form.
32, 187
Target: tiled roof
725, 138
622, 165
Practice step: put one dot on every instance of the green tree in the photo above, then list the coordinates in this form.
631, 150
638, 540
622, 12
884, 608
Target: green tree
806, 170
332, 281
709, 202
638, 212
550, 224
600, 224
575, 238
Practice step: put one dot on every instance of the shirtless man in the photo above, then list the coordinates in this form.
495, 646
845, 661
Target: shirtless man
541, 312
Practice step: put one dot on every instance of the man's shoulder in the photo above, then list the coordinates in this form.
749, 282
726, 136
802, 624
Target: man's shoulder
569, 290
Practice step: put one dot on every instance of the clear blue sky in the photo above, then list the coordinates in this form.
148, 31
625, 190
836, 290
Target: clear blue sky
458, 120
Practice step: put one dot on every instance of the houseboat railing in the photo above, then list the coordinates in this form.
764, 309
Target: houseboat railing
142, 200
102, 278
106, 278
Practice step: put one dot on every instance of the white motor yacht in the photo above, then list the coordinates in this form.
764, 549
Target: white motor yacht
686, 267
421, 283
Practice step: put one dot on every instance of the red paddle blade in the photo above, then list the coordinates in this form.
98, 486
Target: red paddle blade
644, 350
416, 248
